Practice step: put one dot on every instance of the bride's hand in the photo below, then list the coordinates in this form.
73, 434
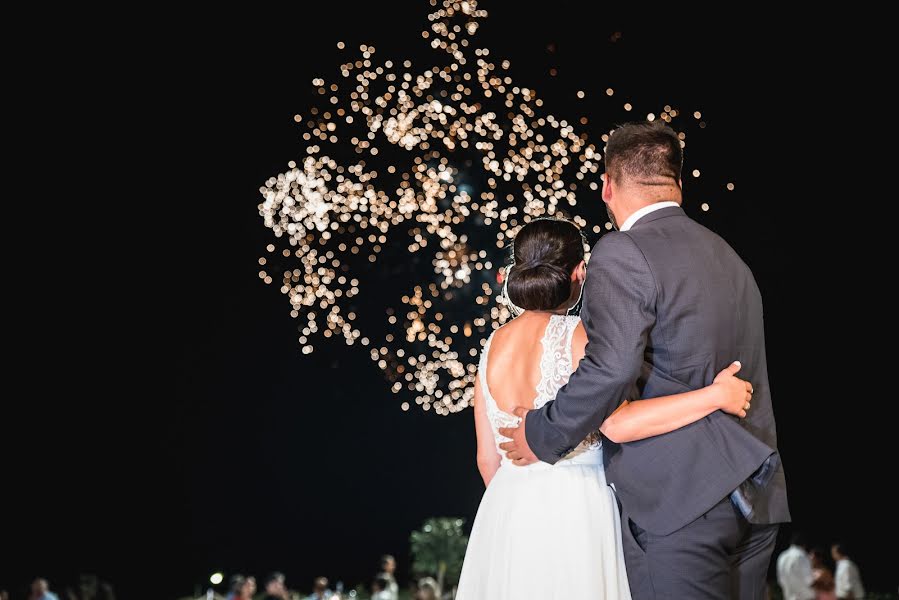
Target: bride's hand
733, 394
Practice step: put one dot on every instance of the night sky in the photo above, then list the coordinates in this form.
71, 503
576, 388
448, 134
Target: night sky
169, 425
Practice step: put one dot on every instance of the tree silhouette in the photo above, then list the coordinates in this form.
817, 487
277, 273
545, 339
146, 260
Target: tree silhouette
438, 549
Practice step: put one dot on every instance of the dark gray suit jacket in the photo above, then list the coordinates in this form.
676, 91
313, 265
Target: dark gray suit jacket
667, 305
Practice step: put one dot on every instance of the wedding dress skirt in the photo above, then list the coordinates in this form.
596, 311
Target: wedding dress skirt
548, 533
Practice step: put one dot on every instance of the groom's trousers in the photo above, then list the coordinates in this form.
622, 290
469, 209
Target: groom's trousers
719, 555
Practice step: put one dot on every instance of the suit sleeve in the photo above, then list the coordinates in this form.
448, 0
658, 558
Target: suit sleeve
619, 297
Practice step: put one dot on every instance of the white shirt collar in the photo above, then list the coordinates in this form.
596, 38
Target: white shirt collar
631, 220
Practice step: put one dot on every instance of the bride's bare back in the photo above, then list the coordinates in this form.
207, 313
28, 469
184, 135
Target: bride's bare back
514, 368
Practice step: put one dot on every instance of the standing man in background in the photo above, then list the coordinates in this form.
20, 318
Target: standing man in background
388, 568
847, 579
794, 570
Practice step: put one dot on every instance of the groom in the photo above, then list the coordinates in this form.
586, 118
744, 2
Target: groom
667, 304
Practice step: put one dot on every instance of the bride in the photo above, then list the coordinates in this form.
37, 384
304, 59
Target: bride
553, 531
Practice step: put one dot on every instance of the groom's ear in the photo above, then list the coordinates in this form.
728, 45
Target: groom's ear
606, 188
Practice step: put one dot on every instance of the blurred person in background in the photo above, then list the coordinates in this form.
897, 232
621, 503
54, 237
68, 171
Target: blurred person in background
847, 580
388, 568
106, 591
823, 583
4, 595
248, 589
40, 590
427, 590
794, 570
90, 587
320, 589
275, 588
234, 584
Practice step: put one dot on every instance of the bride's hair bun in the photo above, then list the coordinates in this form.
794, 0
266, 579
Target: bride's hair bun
546, 251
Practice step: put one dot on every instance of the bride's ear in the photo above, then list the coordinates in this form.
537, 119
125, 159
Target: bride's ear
580, 272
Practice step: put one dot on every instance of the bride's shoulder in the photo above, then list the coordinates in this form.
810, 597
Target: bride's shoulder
509, 327
578, 330
578, 340
510, 331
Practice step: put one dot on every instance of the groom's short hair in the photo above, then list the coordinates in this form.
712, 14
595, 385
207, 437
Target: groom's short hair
644, 152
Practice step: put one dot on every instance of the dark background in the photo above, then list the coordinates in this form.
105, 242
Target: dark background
165, 424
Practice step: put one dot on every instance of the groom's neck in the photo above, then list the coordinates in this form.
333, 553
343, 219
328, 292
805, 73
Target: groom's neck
641, 197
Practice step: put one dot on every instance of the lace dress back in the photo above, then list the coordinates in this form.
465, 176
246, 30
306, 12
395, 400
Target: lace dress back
555, 369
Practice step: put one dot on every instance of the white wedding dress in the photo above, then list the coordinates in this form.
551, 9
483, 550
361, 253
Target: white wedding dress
545, 532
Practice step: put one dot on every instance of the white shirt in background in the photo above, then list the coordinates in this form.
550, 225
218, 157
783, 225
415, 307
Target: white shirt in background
794, 574
847, 580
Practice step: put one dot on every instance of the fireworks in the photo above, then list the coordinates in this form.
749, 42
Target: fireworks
417, 178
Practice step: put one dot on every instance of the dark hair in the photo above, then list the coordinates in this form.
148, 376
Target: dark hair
272, 577
545, 252
387, 558
644, 152
798, 539
820, 553
236, 582
840, 548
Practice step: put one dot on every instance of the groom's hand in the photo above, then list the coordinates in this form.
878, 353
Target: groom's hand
517, 450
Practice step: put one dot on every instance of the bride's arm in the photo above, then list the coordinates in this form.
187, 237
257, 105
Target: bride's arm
645, 418
488, 457
654, 416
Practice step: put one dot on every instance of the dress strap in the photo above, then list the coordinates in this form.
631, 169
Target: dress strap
555, 364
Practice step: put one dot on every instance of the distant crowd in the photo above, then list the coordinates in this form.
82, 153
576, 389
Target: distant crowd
805, 573
383, 587
89, 587
244, 587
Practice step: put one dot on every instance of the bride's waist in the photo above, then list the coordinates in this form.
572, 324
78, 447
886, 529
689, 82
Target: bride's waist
587, 455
